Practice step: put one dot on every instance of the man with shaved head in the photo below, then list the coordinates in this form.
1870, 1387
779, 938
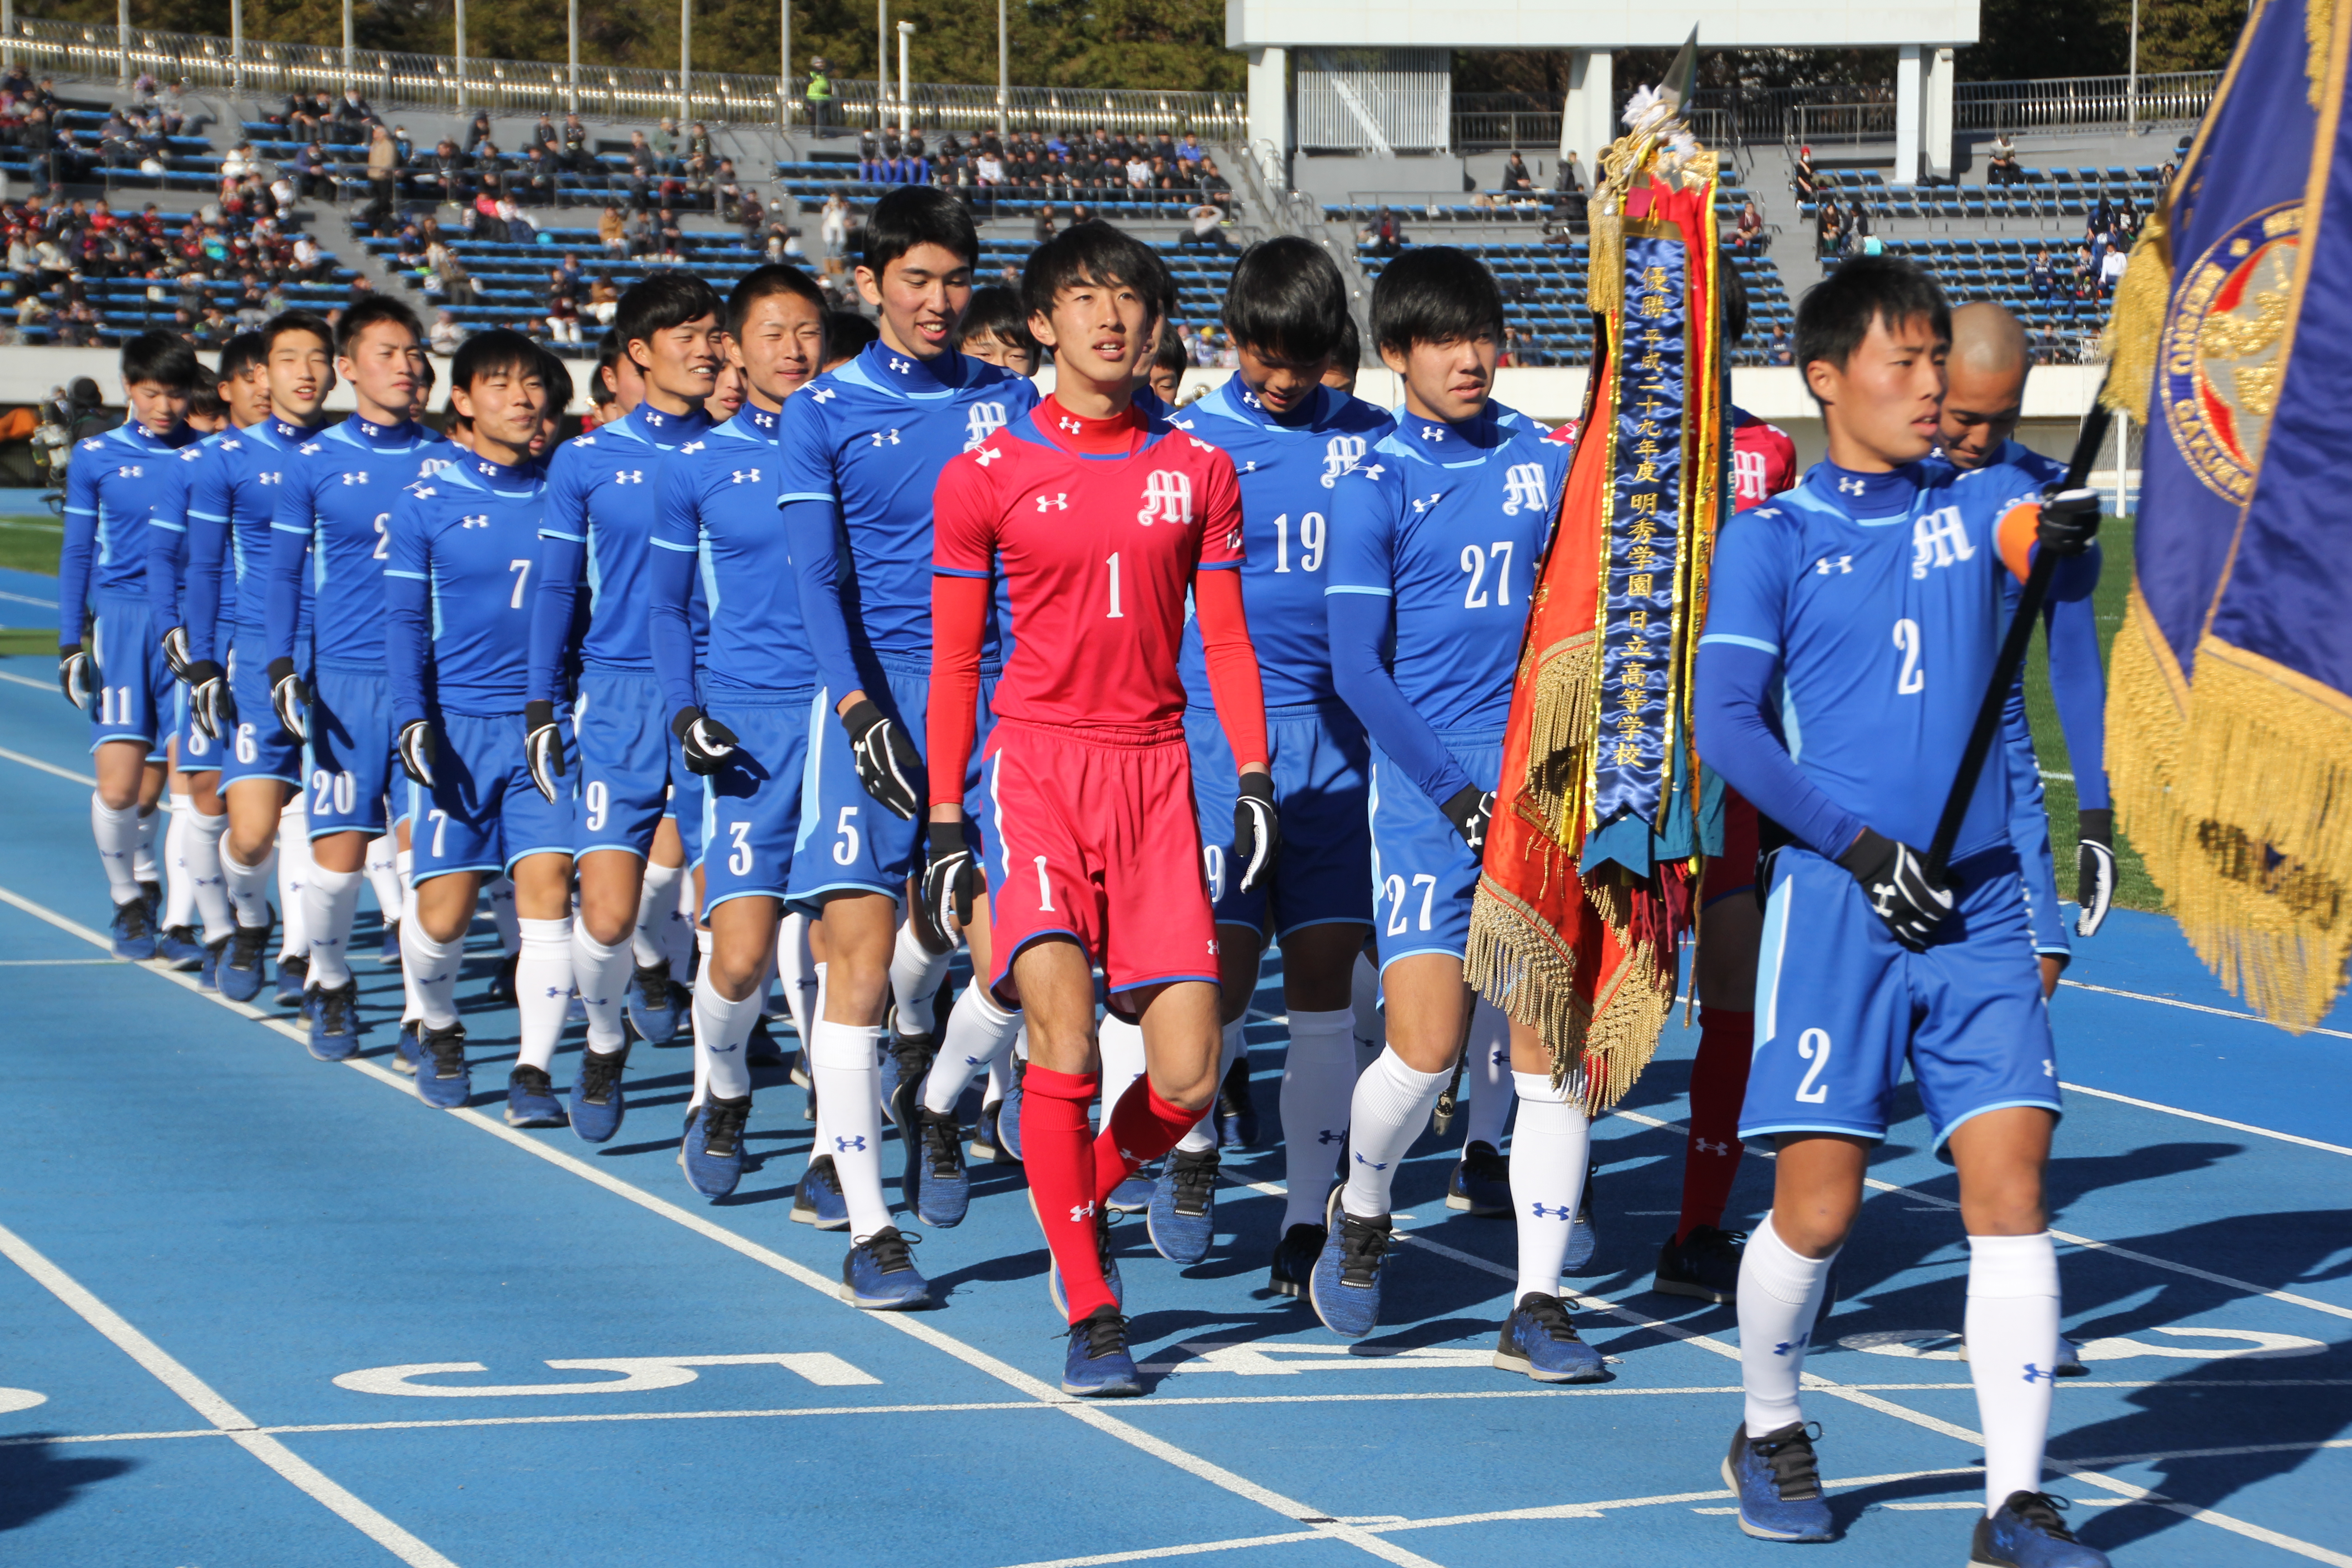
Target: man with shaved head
1984, 394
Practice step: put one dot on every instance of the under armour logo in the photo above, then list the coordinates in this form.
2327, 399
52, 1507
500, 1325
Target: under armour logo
1250, 398
1167, 498
1788, 1346
972, 1061
1327, 1136
356, 478
555, 991
744, 476
1851, 487
2049, 1068
269, 478
1081, 1213
1067, 423
989, 455
423, 491
1499, 1055
480, 520
900, 366
1433, 433
854, 1145
1434, 497
2035, 1374
821, 395
1707, 1148
694, 446
1060, 502
1376, 470
629, 476
1550, 1211
1828, 563
655, 418
1375, 1164
885, 438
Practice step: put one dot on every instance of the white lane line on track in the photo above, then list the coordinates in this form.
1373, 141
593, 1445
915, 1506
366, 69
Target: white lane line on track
2208, 1120
50, 768
2193, 1006
228, 1418
1111, 1425
14, 679
28, 599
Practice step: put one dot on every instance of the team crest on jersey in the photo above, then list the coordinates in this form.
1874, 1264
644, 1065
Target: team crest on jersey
1167, 498
1940, 538
1523, 488
980, 421
430, 467
1751, 475
1339, 453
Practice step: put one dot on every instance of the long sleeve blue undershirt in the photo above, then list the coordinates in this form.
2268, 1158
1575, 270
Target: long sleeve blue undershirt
407, 643
670, 630
815, 529
1735, 684
287, 551
554, 614
1362, 627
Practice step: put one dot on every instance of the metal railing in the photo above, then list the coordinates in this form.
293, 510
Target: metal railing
2058, 102
103, 53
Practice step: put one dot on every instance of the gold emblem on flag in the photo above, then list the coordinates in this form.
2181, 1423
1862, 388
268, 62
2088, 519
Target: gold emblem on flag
2220, 366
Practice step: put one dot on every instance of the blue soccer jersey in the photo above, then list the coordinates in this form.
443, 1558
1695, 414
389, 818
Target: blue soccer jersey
462, 547
861, 448
717, 521
208, 598
1289, 476
1438, 531
333, 507
110, 484
601, 507
222, 515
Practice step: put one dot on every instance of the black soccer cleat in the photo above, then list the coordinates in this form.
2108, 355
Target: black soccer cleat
1293, 1260
1703, 1265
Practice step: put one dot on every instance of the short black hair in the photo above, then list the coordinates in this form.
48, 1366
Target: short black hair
1286, 301
556, 371
1435, 294
608, 355
166, 359
488, 353
1170, 354
765, 283
1349, 350
240, 355
846, 333
285, 322
1734, 289
917, 215
660, 301
1835, 313
997, 310
368, 312
206, 401
1095, 253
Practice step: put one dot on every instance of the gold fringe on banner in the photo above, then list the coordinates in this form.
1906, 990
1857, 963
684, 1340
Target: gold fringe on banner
2147, 717
2136, 325
1552, 795
2265, 802
1598, 1048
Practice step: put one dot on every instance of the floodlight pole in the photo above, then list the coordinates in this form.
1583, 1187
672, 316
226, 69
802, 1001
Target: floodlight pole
346, 43
784, 65
460, 18
1003, 93
881, 65
235, 42
685, 62
571, 78
906, 31
2131, 81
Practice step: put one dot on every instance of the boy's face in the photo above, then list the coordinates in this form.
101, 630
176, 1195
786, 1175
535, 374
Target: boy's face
782, 345
1340, 377
682, 361
1284, 387
1167, 381
923, 296
506, 406
1100, 330
301, 371
1449, 380
158, 408
247, 395
1884, 406
997, 350
384, 365
1979, 412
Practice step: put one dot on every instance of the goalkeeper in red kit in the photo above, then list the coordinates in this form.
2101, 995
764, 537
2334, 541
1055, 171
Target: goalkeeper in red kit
1093, 520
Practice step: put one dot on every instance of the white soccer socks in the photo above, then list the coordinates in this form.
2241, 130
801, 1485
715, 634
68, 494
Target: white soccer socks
143, 852
980, 1034
1371, 1025
179, 892
1202, 1137
722, 1029
602, 974
2012, 1337
844, 1065
1120, 1043
916, 972
657, 908
201, 857
403, 864
294, 864
1319, 1077
431, 967
1386, 1113
543, 989
1486, 1074
116, 836
796, 968
1548, 1164
1780, 1295
329, 899
248, 887
382, 864
502, 915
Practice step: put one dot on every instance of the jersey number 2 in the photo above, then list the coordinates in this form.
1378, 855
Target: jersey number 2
1913, 679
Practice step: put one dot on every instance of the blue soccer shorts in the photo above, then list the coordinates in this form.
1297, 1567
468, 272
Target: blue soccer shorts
197, 752
351, 737
1423, 875
628, 760
259, 747
1322, 780
1839, 1005
137, 692
483, 814
750, 817
848, 843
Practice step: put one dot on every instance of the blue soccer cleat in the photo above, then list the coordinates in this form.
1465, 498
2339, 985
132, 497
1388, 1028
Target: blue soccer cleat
1099, 1366
817, 1200
1008, 1115
1053, 1292
1539, 1339
1235, 1111
984, 1146
1132, 1195
597, 1102
1481, 1182
879, 1274
387, 952
133, 930
712, 1151
906, 1062
530, 1099
1293, 1260
1345, 1288
244, 965
1182, 1218
444, 1080
652, 1006
154, 893
1583, 1238
294, 981
208, 976
334, 1021
1779, 1483
943, 1192
406, 1054
2027, 1534
180, 947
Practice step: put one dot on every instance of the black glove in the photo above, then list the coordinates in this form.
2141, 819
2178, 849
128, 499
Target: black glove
2095, 867
542, 747
1257, 834
706, 743
887, 764
417, 750
951, 882
77, 677
1893, 877
1470, 810
2070, 521
210, 704
175, 653
291, 697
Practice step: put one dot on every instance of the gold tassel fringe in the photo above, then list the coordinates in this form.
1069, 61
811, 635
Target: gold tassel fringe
1560, 739
2135, 326
1599, 1048
2147, 715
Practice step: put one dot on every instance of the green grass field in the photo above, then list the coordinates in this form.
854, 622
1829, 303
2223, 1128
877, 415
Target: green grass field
31, 544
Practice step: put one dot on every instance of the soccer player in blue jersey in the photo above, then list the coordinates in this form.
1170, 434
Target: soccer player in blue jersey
119, 676
1866, 608
462, 545
1436, 534
861, 448
600, 515
332, 510
222, 533
1292, 441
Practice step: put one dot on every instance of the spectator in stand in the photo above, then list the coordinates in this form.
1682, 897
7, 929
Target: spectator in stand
352, 116
562, 310
644, 168
446, 174
1192, 151
819, 97
2164, 177
477, 133
1514, 174
1779, 349
702, 160
579, 158
1043, 229
2111, 271
2039, 275
383, 169
445, 334
1387, 233
610, 232
1802, 180
1207, 228
1747, 234
668, 153
604, 301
